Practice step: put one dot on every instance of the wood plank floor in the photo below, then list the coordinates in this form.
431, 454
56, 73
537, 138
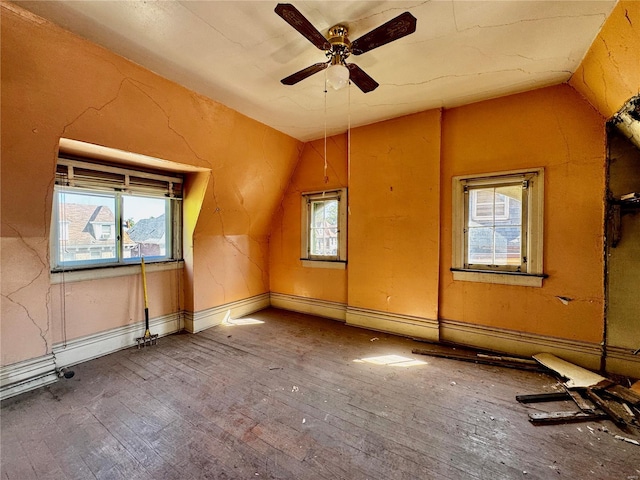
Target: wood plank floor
281, 395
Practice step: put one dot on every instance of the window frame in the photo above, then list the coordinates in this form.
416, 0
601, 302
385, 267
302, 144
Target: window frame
133, 185
323, 261
531, 271
469, 189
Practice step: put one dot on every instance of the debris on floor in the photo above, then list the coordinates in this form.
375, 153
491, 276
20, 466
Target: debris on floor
484, 358
595, 396
577, 376
628, 440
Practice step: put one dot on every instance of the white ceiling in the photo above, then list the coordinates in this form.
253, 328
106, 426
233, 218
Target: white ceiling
236, 52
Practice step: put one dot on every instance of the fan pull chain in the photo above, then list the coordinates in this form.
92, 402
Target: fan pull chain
349, 145
349, 135
326, 178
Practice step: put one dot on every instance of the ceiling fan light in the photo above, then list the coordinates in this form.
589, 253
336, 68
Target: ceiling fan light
337, 76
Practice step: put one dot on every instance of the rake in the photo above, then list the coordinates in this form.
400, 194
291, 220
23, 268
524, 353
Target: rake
147, 338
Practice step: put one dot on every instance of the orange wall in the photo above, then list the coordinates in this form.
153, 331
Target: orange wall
393, 219
552, 128
78, 308
399, 248
394, 216
288, 276
55, 84
609, 74
246, 227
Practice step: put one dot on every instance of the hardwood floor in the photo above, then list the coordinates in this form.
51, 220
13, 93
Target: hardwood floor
288, 396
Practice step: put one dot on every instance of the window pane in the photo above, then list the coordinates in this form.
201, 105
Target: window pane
145, 231
511, 197
508, 246
480, 245
494, 225
86, 227
482, 204
324, 228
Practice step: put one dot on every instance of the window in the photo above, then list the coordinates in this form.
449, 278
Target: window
106, 231
497, 227
107, 215
324, 233
495, 217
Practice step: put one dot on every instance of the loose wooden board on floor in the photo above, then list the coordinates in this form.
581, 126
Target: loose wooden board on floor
578, 377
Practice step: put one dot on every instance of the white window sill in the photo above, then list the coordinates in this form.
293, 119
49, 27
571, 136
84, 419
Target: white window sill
334, 264
97, 273
506, 278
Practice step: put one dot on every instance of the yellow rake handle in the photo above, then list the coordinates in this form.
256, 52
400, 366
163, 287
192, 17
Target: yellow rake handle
147, 333
144, 285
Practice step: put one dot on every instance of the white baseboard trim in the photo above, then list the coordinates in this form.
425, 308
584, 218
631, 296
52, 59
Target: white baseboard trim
30, 374
37, 372
584, 354
311, 306
93, 346
27, 375
623, 362
197, 321
405, 325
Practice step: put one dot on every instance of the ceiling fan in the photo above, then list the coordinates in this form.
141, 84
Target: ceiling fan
337, 47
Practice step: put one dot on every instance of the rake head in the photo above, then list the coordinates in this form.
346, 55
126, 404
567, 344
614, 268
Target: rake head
147, 339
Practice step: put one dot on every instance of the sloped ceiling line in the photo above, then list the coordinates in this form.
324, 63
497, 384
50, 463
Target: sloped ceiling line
236, 52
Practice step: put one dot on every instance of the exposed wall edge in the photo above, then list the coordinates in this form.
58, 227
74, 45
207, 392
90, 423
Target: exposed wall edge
311, 306
585, 354
93, 346
406, 325
197, 321
27, 375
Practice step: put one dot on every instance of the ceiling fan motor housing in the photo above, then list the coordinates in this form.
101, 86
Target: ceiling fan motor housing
340, 44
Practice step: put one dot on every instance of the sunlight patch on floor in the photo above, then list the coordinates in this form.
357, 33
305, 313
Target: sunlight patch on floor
392, 361
241, 321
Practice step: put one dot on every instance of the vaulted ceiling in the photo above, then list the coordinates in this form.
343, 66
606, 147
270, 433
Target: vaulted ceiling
236, 52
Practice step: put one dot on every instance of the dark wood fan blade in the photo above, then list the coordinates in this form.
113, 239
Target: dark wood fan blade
401, 26
293, 17
302, 74
363, 81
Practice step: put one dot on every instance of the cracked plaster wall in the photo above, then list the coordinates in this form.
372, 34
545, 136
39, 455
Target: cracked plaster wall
556, 129
399, 248
609, 74
55, 84
287, 274
393, 218
394, 225
83, 308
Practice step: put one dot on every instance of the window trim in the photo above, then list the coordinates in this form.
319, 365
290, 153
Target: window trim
469, 188
167, 187
533, 276
316, 261
111, 271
